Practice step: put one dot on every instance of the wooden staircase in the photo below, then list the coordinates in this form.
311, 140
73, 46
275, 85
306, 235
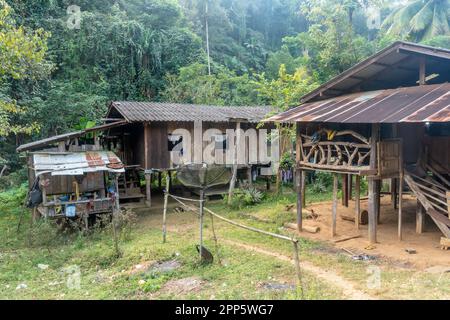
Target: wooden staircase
432, 190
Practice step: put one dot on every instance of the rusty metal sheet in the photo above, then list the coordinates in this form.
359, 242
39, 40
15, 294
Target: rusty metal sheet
76, 163
428, 103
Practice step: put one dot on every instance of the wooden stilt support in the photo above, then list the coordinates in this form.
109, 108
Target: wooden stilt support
357, 200
378, 184
372, 206
400, 205
394, 193
400, 192
350, 187
345, 190
148, 189
303, 189
160, 180
166, 200
249, 175
235, 164
420, 218
334, 208
202, 198
300, 182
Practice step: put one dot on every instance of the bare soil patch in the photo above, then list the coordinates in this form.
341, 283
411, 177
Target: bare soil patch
183, 286
426, 245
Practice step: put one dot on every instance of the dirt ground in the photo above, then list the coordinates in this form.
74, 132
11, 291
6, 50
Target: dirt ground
428, 251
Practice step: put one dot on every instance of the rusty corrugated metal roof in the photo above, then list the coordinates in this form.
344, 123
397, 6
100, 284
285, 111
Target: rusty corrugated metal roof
428, 103
158, 111
76, 163
65, 136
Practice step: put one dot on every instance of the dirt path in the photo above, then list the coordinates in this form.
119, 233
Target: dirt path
328, 276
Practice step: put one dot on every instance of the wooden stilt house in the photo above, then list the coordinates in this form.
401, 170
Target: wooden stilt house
386, 118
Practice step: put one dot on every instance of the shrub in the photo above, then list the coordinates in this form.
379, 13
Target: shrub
245, 196
322, 181
13, 198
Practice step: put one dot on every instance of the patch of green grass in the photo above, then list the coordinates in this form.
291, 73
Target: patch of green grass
91, 259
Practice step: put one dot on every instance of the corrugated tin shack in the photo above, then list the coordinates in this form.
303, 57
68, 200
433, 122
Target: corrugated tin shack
75, 179
388, 117
76, 184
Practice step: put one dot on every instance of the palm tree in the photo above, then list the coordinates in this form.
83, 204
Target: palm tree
419, 20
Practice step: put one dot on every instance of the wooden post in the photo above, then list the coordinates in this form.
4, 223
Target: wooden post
202, 197
146, 146
372, 228
235, 165
300, 177
166, 200
159, 180
422, 71
350, 187
400, 191
378, 184
334, 208
394, 194
345, 190
400, 205
420, 218
300, 182
297, 266
357, 200
249, 175
114, 214
394, 181
303, 189
148, 189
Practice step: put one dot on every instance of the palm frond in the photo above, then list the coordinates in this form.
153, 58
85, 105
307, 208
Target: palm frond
422, 19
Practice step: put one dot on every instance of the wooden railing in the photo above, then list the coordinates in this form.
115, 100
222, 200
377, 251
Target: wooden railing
333, 154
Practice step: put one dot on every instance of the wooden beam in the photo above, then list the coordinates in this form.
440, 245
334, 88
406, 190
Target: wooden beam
447, 194
334, 207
